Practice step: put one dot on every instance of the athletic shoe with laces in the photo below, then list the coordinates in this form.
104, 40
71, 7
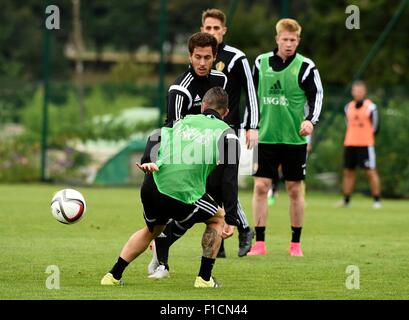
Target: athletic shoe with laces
295, 249
160, 273
377, 205
259, 248
154, 264
109, 280
245, 242
201, 283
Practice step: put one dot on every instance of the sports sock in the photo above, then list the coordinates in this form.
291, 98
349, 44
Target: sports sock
377, 198
240, 229
260, 233
347, 198
206, 268
295, 234
163, 242
274, 188
119, 268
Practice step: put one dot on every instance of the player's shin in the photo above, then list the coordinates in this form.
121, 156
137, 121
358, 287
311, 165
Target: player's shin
172, 233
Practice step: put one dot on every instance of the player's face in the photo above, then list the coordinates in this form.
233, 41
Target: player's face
215, 28
358, 92
202, 59
287, 43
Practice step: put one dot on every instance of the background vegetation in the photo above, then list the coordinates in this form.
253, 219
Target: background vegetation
121, 40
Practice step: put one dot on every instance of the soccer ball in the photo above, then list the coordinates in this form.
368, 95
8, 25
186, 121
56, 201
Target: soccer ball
68, 206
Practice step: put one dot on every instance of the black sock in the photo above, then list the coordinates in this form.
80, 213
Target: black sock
377, 198
295, 234
347, 198
170, 234
119, 268
274, 188
162, 244
206, 268
240, 229
260, 233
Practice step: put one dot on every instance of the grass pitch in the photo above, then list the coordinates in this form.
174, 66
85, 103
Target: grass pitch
374, 242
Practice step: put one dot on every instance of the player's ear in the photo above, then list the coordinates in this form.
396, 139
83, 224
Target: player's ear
224, 30
203, 106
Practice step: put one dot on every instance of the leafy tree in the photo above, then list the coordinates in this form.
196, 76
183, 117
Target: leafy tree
330, 43
21, 38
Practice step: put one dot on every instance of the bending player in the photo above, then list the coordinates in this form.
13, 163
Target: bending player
176, 188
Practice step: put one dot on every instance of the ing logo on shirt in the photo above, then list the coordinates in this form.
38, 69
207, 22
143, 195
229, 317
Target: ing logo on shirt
275, 101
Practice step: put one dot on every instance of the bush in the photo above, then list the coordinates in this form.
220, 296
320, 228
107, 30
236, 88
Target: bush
65, 121
19, 161
129, 71
20, 155
392, 149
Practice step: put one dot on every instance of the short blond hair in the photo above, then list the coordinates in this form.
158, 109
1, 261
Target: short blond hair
214, 13
289, 25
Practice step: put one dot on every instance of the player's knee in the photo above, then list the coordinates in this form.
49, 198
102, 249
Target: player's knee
218, 218
349, 173
294, 191
157, 230
216, 224
261, 188
371, 173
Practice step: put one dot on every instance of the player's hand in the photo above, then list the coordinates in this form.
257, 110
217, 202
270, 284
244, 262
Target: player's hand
148, 167
306, 128
251, 138
228, 231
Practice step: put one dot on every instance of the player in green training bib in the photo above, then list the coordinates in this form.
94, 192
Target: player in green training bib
282, 103
177, 163
290, 98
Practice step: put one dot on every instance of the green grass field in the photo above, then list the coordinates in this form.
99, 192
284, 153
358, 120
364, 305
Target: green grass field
375, 241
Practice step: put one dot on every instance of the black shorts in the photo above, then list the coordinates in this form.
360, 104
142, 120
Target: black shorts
160, 208
292, 158
363, 157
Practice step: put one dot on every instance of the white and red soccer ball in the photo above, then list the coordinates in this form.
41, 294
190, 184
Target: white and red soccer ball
68, 206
